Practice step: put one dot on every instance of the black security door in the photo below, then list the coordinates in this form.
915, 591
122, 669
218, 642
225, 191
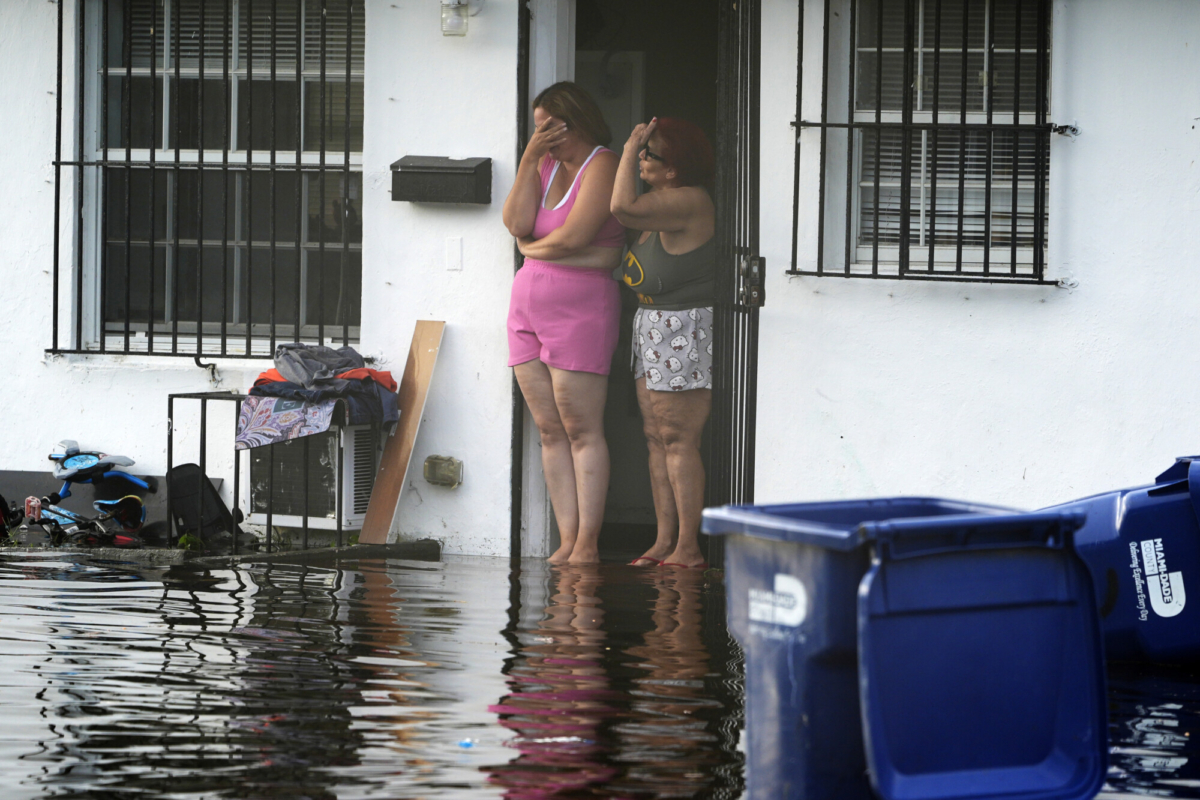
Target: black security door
740, 273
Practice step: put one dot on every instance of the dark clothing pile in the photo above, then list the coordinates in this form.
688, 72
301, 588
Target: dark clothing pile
310, 365
314, 373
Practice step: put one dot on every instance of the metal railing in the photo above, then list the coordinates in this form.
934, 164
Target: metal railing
269, 542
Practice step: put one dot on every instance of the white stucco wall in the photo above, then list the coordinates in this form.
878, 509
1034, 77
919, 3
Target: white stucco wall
1012, 394
447, 96
425, 95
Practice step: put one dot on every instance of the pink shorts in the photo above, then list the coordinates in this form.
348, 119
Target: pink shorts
565, 316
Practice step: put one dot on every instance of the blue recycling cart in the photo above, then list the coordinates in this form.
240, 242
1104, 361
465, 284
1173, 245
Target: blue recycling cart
1142, 546
916, 648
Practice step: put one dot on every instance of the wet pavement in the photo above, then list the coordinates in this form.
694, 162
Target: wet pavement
459, 678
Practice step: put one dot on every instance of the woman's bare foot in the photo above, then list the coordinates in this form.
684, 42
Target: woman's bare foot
561, 555
584, 554
685, 557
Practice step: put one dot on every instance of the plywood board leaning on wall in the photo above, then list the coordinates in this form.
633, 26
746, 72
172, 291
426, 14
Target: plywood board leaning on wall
393, 467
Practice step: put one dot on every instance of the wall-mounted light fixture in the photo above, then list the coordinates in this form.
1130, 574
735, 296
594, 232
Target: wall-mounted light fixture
455, 13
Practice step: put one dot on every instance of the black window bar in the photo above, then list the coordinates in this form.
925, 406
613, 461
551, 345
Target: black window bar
217, 177
944, 147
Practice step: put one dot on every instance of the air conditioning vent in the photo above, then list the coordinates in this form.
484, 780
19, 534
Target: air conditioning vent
291, 503
360, 457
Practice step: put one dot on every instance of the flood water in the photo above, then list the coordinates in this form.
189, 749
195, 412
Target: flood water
462, 678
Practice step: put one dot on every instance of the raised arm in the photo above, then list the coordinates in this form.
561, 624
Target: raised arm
590, 212
663, 210
520, 207
625, 186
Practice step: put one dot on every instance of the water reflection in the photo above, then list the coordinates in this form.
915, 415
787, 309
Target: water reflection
1153, 715
397, 679
673, 710
604, 704
561, 696
239, 675
374, 679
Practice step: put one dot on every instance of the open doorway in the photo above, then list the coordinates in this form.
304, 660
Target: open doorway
641, 60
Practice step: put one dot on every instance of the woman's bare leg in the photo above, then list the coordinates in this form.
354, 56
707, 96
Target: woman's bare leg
680, 417
580, 398
557, 461
665, 514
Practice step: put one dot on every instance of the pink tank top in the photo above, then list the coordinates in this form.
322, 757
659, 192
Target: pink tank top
611, 233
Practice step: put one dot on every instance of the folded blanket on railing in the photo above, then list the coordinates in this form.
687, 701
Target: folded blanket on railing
266, 420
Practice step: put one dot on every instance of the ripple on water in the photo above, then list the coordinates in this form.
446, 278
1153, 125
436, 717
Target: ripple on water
397, 679
382, 678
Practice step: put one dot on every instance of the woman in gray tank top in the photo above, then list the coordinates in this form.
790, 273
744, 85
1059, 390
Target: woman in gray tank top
671, 265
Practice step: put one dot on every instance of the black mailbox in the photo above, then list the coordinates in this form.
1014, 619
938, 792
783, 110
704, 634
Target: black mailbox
437, 179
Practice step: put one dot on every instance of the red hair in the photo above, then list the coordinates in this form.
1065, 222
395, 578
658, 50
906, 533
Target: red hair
687, 150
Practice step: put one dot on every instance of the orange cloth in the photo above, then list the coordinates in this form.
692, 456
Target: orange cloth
270, 376
382, 377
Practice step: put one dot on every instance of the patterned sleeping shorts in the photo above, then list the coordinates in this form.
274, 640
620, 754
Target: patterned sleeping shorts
673, 349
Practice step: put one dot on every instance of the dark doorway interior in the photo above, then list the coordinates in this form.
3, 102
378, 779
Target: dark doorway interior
641, 60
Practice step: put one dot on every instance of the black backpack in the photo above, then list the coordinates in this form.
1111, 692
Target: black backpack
196, 507
9, 515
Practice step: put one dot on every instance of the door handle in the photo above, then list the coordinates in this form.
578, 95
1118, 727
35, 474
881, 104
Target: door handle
752, 291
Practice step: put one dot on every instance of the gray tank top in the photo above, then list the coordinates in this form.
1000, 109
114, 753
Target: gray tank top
671, 282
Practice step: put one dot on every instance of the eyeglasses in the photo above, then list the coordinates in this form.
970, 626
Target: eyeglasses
648, 154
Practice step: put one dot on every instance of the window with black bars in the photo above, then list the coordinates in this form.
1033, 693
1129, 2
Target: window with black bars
933, 143
217, 176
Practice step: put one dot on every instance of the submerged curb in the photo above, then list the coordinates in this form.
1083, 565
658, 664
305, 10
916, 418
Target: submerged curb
420, 550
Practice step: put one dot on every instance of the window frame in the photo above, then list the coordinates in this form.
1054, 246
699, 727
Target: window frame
839, 144
83, 288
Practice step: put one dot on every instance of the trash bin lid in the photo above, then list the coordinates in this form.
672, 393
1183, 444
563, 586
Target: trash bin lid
835, 525
1185, 470
981, 671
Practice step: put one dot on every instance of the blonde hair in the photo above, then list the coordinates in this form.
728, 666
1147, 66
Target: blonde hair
573, 105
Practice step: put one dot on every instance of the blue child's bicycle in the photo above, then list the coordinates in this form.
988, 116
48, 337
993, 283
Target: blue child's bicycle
118, 521
71, 465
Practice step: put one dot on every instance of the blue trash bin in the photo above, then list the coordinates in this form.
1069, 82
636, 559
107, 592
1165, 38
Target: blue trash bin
1143, 548
959, 643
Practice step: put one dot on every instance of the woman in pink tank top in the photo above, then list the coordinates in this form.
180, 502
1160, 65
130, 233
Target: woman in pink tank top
565, 307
